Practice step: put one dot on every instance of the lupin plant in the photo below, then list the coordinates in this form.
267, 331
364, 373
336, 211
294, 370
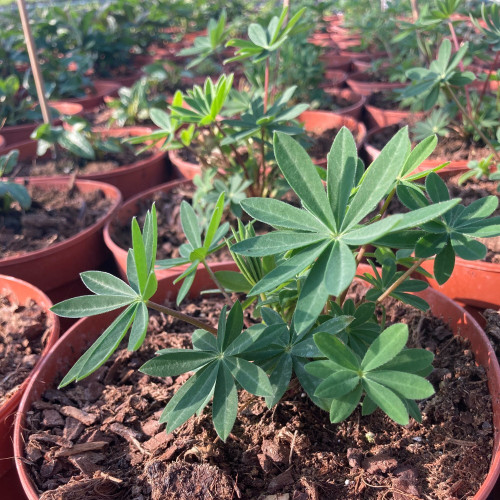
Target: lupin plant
298, 277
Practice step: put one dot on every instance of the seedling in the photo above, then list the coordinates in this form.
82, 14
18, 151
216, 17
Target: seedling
11, 191
298, 276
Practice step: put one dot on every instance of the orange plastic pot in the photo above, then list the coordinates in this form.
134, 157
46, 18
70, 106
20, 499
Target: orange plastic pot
454, 168
332, 60
92, 100
357, 102
333, 78
22, 292
124, 215
319, 122
474, 283
60, 264
129, 179
379, 117
69, 348
184, 168
362, 83
20, 133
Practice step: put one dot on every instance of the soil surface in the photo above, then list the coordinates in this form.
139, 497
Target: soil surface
493, 328
333, 102
321, 143
101, 439
54, 216
23, 332
386, 100
450, 148
68, 164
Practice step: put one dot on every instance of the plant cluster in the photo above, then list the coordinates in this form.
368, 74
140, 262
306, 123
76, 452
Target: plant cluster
297, 276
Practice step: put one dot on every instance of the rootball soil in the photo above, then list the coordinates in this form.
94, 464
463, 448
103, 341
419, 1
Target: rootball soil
67, 164
101, 439
23, 331
54, 216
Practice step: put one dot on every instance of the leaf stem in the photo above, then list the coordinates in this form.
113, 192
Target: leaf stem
400, 280
183, 317
266, 85
490, 71
464, 112
460, 64
217, 283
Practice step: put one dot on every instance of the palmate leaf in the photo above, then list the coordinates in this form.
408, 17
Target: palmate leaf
388, 374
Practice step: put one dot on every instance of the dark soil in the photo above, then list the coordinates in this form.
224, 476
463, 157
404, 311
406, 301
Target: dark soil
54, 216
493, 329
385, 100
333, 102
68, 164
322, 143
23, 332
101, 439
450, 148
170, 233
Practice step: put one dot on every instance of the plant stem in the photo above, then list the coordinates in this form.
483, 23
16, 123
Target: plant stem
239, 158
485, 86
400, 280
464, 112
182, 317
262, 162
217, 283
460, 64
266, 85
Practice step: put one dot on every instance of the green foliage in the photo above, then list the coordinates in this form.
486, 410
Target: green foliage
11, 191
490, 14
263, 41
480, 170
195, 252
220, 364
210, 45
387, 374
77, 139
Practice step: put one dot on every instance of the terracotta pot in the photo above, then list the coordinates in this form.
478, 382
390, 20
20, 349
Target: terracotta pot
333, 79
61, 263
379, 117
472, 283
71, 345
129, 179
362, 55
358, 101
318, 122
331, 60
2, 142
124, 215
186, 169
363, 84
22, 292
21, 133
347, 43
102, 88
454, 168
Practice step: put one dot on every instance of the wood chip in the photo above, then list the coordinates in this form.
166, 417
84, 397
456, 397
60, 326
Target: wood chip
81, 448
80, 415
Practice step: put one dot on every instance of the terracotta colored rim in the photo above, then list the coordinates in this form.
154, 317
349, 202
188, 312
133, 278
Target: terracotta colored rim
124, 214
358, 101
454, 168
187, 169
129, 179
474, 283
360, 82
20, 133
379, 117
22, 291
40, 266
320, 121
102, 88
2, 142
333, 78
68, 349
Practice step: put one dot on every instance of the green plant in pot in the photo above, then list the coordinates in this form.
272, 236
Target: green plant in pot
74, 144
10, 191
298, 276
